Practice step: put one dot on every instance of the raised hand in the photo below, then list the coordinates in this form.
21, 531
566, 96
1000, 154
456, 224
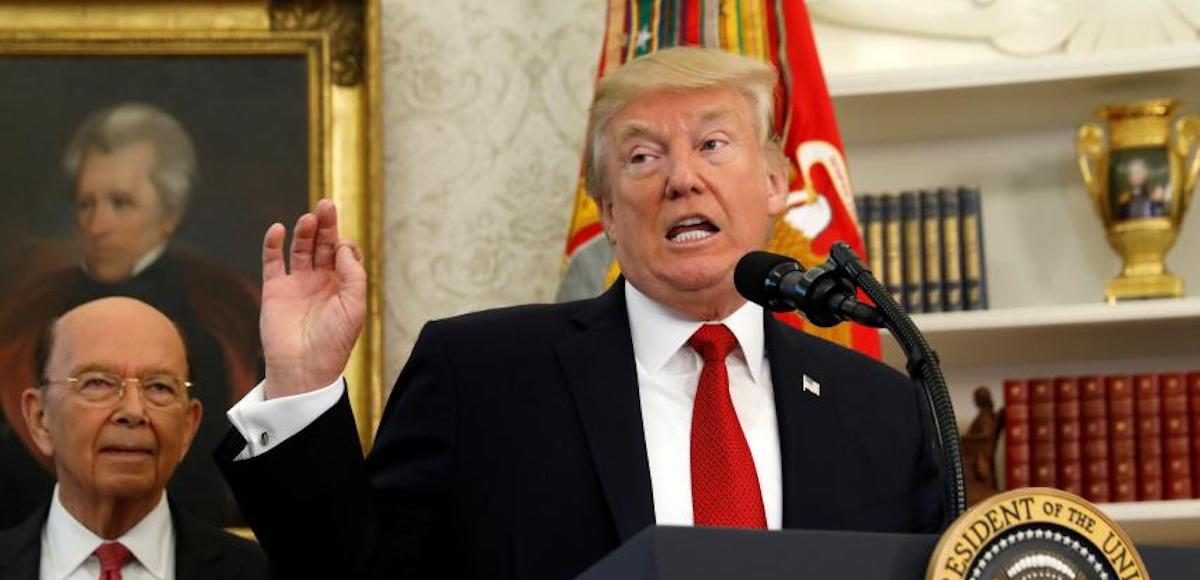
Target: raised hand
312, 316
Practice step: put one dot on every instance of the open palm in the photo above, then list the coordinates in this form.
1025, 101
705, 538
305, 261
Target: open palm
312, 316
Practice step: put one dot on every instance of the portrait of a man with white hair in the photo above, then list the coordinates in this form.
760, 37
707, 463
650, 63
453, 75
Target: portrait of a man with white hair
130, 170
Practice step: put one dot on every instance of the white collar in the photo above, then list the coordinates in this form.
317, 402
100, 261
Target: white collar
143, 262
659, 332
71, 543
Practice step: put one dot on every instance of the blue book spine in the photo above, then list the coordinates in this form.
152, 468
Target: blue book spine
893, 248
914, 252
873, 224
975, 292
931, 241
952, 254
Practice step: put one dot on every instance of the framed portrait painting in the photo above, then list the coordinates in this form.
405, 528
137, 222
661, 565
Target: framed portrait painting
147, 149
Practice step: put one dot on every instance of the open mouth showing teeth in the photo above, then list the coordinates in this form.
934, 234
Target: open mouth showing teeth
691, 229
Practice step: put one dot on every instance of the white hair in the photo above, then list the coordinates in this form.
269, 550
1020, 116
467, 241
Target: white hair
128, 124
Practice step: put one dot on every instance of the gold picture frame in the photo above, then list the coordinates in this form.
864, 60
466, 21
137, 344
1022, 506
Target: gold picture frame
326, 53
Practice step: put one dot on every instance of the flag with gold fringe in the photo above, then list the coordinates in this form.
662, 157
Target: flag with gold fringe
820, 205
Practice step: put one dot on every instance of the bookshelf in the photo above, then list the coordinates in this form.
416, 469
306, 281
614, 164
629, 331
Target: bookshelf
1008, 127
1038, 334
984, 347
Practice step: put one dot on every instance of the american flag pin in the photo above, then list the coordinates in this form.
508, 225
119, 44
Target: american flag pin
812, 386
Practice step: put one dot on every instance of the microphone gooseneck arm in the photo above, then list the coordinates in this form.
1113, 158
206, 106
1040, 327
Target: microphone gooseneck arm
923, 367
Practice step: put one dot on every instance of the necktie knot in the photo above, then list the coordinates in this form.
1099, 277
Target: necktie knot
713, 342
113, 556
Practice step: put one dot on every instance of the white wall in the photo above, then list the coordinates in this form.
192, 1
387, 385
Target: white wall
484, 108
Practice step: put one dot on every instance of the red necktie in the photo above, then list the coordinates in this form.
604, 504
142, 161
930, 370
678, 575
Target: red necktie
725, 489
113, 556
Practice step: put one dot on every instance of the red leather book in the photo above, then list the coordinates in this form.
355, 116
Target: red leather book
1066, 437
1193, 388
1147, 408
1043, 454
1122, 477
1016, 434
1177, 441
1093, 417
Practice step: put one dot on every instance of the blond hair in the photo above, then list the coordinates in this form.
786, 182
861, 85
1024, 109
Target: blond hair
680, 68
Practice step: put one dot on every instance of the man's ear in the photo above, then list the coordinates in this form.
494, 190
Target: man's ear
605, 207
170, 223
777, 184
194, 413
33, 408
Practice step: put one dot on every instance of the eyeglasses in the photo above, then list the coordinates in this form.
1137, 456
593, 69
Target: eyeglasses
105, 388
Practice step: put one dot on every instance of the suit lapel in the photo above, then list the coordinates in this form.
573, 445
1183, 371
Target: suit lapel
807, 424
196, 556
21, 548
599, 367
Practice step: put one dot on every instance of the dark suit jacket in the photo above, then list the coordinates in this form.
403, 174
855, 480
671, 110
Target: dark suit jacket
202, 551
512, 447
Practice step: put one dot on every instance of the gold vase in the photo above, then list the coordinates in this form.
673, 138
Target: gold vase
1140, 174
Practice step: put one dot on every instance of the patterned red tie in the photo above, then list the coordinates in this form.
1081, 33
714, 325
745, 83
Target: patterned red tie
113, 556
725, 489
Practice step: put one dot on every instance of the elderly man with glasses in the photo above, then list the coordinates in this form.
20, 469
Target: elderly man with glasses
115, 416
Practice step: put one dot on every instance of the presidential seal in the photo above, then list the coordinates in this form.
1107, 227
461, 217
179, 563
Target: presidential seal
1035, 533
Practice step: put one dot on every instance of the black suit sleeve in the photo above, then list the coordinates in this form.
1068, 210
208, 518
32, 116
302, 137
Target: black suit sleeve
318, 508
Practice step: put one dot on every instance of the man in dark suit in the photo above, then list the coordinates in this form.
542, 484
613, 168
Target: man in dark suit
201, 550
529, 442
114, 415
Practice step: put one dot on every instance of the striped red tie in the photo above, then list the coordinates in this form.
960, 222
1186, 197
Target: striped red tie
113, 557
725, 489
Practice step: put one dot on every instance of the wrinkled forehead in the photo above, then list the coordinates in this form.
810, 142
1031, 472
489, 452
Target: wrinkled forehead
122, 165
651, 126
657, 113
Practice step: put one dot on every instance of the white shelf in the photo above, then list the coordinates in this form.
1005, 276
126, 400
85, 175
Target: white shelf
1072, 315
1152, 328
1007, 97
1164, 523
1054, 68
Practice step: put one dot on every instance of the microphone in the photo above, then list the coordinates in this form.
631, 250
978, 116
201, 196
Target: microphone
781, 284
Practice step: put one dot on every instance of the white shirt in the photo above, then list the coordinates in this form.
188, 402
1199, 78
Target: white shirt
667, 370
143, 262
67, 546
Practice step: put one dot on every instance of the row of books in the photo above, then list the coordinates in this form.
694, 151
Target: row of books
927, 247
1109, 439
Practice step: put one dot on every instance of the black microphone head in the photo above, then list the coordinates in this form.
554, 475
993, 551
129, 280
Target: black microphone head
757, 278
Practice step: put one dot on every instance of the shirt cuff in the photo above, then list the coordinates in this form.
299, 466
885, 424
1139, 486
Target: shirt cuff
265, 424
